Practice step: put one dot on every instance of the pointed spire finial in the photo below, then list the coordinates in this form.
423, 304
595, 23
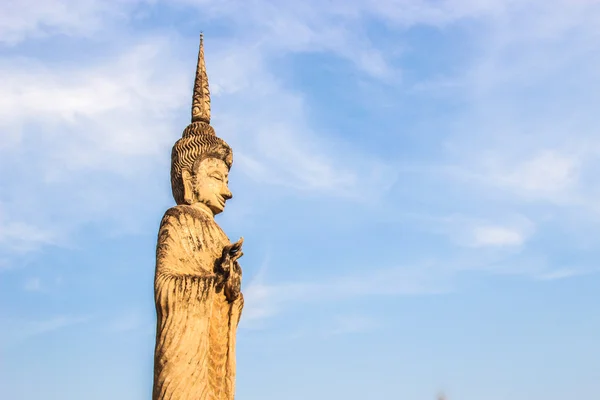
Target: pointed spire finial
201, 99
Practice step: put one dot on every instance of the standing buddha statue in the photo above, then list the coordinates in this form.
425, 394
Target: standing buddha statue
198, 278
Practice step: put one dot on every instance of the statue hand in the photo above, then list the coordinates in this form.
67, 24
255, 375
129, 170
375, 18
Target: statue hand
231, 253
233, 284
231, 270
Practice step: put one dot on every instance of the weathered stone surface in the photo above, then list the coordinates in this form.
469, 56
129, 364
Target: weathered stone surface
198, 278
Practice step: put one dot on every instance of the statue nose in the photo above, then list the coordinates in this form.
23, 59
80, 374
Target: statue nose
227, 194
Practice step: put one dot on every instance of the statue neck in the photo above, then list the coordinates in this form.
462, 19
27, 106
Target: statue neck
203, 208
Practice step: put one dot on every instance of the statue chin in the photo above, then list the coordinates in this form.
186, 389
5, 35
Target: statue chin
208, 206
216, 209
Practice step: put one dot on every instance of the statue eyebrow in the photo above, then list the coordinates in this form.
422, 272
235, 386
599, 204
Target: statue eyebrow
218, 170
224, 176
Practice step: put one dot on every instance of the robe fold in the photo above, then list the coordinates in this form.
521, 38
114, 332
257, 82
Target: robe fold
194, 357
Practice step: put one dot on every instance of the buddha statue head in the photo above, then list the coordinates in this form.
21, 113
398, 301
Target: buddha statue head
200, 161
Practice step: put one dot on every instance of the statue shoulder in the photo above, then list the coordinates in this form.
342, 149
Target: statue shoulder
186, 217
177, 211
180, 213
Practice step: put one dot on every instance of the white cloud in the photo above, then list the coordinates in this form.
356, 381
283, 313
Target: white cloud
120, 116
548, 175
23, 19
545, 172
510, 231
310, 26
499, 231
497, 236
79, 133
95, 116
21, 237
531, 126
268, 126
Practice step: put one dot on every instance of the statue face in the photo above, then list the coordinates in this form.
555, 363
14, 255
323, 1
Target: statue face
208, 185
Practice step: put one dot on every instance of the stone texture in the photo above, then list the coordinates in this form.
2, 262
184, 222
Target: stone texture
198, 277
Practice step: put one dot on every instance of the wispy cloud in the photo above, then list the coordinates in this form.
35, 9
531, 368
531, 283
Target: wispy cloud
94, 116
545, 175
496, 236
84, 125
269, 126
566, 273
32, 19
80, 132
21, 237
508, 231
115, 118
527, 131
20, 330
264, 300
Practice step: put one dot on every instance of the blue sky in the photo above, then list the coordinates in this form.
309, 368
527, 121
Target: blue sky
416, 183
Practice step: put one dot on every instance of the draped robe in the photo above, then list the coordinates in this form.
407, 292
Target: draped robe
196, 326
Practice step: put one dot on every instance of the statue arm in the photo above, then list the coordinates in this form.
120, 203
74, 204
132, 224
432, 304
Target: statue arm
183, 270
183, 292
180, 249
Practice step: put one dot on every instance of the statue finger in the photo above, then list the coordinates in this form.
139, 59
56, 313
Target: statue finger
226, 250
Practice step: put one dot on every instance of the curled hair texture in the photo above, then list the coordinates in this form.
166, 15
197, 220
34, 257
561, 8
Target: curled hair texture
197, 143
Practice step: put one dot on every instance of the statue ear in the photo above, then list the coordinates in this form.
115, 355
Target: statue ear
188, 187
